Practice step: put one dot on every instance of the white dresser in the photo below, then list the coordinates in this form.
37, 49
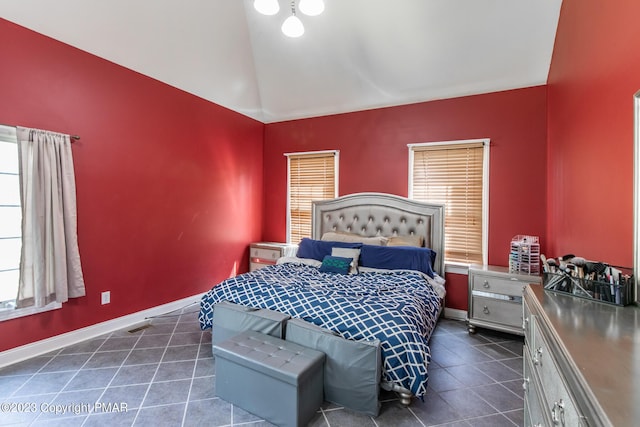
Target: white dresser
262, 254
495, 298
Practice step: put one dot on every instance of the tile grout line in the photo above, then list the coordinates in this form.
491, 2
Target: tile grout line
467, 386
181, 326
479, 348
114, 375
193, 376
146, 393
133, 347
498, 411
416, 417
73, 376
491, 415
34, 374
326, 420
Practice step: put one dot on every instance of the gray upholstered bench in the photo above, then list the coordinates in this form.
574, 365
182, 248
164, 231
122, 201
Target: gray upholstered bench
277, 380
230, 319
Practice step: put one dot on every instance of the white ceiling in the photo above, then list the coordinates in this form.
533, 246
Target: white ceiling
357, 55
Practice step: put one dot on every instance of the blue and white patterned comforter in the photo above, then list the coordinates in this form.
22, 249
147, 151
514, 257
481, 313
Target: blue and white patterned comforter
399, 308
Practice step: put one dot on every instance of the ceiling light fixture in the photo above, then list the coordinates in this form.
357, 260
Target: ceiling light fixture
311, 7
267, 7
292, 26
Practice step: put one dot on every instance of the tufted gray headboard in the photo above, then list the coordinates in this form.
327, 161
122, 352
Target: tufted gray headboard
379, 214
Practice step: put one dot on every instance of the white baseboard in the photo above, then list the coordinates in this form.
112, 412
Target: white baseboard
454, 313
37, 348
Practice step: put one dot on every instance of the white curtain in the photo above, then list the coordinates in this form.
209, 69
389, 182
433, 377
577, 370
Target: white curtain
50, 261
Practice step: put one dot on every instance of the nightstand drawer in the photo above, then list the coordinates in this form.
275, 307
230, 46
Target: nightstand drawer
265, 254
496, 285
253, 265
495, 298
262, 254
497, 311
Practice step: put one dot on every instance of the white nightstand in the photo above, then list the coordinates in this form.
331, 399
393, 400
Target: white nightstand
495, 298
262, 254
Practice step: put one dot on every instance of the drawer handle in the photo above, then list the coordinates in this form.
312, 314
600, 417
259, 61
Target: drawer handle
486, 284
537, 356
557, 413
485, 310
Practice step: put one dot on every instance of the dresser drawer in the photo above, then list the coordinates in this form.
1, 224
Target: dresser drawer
505, 286
556, 401
534, 414
497, 311
527, 324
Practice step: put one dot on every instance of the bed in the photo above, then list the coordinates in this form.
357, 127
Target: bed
398, 306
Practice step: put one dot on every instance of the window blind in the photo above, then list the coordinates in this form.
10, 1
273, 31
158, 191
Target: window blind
452, 174
312, 176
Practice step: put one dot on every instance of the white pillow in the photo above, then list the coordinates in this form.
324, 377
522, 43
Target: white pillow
337, 236
412, 240
354, 254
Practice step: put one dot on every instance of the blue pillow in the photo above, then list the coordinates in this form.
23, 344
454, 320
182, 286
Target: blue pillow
398, 257
336, 264
318, 249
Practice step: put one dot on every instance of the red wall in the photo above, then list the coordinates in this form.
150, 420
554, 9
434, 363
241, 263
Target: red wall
594, 73
374, 157
168, 197
169, 186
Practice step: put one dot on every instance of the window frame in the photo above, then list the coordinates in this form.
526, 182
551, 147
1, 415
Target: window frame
310, 154
8, 136
7, 313
454, 266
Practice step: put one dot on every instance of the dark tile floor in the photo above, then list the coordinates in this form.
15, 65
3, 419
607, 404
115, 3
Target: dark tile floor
164, 376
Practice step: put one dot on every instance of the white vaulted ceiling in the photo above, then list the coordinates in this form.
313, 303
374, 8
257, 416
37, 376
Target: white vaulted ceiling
359, 54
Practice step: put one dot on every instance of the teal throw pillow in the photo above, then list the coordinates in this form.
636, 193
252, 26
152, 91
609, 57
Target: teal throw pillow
336, 264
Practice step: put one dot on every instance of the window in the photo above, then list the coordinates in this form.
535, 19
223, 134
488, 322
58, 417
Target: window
10, 217
455, 173
310, 176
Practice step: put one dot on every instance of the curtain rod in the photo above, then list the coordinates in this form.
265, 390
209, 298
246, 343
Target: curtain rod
73, 137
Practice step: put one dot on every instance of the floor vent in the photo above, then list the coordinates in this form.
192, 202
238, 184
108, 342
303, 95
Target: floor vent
139, 328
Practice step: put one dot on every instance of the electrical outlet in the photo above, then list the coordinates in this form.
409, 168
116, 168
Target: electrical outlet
106, 297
